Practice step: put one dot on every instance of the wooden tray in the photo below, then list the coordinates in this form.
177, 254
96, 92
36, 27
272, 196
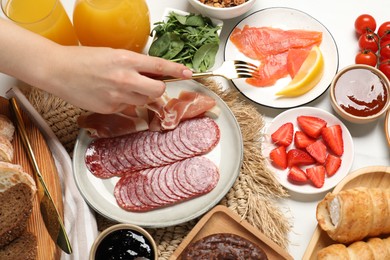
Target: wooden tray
221, 219
47, 249
375, 176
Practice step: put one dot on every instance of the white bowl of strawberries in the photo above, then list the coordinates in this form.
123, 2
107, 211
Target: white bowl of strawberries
309, 149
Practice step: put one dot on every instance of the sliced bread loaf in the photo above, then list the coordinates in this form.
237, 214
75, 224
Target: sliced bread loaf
17, 191
22, 248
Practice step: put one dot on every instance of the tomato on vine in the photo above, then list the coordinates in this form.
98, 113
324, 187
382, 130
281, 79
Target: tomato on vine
385, 67
365, 23
369, 41
384, 31
366, 57
385, 50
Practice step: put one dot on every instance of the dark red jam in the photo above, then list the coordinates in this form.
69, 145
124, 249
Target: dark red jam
361, 92
124, 244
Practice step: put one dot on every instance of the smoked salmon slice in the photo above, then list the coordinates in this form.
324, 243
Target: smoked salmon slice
280, 52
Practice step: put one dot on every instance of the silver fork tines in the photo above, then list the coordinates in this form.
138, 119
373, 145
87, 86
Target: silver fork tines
231, 69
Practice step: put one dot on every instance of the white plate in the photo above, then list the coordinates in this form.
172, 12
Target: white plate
227, 154
286, 19
291, 116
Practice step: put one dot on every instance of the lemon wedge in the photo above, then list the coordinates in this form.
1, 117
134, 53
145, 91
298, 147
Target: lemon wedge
308, 75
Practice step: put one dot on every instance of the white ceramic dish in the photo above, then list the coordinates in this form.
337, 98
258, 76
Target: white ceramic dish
286, 19
222, 13
228, 155
291, 116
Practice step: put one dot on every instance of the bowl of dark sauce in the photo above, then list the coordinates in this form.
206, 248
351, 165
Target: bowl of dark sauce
360, 93
124, 241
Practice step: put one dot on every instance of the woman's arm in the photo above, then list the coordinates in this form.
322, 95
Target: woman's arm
98, 79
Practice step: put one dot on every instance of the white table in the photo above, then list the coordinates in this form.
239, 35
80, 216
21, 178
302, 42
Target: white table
371, 148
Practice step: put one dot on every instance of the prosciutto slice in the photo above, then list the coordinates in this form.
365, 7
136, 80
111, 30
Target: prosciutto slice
164, 113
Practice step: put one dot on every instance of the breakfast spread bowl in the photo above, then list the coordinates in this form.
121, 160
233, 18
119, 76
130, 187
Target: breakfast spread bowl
222, 12
124, 241
360, 93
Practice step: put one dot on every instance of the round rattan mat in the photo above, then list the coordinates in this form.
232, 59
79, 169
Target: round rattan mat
253, 195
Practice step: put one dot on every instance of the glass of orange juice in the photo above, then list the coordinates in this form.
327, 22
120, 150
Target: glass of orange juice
45, 17
121, 24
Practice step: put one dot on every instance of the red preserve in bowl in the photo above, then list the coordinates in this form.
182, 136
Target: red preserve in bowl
361, 92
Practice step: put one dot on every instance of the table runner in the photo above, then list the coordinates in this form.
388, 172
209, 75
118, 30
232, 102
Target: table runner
253, 195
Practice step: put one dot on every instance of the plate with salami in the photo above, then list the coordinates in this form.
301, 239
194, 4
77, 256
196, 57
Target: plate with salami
227, 155
279, 25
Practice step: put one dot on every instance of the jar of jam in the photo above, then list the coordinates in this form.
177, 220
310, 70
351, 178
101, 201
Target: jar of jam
360, 93
124, 241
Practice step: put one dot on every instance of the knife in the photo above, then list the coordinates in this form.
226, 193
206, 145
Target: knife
49, 212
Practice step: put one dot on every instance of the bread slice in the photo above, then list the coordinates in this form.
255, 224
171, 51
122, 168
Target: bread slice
11, 174
22, 248
16, 207
7, 128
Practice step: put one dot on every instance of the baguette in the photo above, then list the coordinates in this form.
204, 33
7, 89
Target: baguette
354, 214
374, 248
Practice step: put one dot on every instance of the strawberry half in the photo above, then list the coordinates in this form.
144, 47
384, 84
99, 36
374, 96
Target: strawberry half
297, 175
316, 175
311, 125
318, 151
333, 137
298, 157
279, 157
301, 140
332, 164
283, 135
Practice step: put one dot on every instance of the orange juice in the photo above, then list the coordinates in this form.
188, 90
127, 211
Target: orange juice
45, 17
112, 23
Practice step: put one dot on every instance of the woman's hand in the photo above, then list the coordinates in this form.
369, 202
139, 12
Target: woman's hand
106, 80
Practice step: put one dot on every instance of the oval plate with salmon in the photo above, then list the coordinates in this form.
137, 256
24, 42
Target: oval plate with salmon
276, 37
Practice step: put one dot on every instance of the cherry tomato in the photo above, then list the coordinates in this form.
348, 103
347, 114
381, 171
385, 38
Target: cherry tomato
366, 57
385, 67
369, 41
384, 31
385, 50
365, 23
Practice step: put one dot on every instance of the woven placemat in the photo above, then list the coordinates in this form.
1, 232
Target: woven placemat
253, 195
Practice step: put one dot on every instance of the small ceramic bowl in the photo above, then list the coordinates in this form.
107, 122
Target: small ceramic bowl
124, 241
222, 13
360, 93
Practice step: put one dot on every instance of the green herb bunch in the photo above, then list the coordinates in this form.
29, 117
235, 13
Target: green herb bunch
188, 39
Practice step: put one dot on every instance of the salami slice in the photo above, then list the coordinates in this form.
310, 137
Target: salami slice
96, 162
200, 135
148, 191
201, 173
163, 145
156, 188
163, 185
157, 151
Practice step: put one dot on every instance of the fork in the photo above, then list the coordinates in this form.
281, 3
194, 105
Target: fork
231, 69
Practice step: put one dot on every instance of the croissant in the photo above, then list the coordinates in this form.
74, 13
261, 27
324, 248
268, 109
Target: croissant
374, 248
354, 214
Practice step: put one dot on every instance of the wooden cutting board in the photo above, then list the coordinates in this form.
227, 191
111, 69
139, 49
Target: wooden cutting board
47, 249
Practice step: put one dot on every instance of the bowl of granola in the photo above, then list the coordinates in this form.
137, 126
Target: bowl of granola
222, 9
